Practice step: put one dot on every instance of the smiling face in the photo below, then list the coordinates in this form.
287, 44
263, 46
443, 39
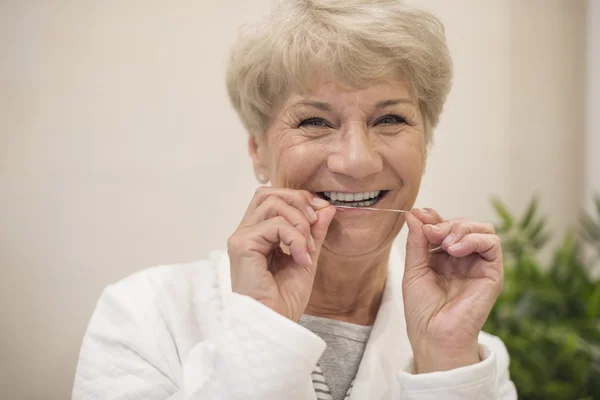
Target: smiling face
360, 147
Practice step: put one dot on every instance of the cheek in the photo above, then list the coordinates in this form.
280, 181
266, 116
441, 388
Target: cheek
295, 161
413, 163
407, 158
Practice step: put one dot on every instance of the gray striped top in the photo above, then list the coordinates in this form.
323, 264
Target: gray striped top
334, 374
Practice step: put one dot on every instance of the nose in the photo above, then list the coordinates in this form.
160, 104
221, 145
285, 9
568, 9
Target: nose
356, 155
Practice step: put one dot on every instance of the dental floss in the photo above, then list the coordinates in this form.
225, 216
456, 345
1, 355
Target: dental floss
390, 210
373, 209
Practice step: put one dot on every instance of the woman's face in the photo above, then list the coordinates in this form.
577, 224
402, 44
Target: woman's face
355, 147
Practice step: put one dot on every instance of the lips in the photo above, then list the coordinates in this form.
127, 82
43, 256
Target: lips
360, 199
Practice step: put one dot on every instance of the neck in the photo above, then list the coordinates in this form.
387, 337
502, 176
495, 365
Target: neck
349, 289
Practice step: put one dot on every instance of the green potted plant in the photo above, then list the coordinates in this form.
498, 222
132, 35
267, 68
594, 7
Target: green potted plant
549, 315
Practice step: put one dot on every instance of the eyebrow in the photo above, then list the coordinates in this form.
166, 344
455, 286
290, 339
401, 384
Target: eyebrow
391, 102
327, 107
315, 104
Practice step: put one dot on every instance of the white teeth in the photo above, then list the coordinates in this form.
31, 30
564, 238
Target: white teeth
354, 199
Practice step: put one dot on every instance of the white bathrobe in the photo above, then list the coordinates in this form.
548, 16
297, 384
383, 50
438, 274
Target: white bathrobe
178, 332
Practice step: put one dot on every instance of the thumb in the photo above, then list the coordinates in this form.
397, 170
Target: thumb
319, 229
417, 245
319, 232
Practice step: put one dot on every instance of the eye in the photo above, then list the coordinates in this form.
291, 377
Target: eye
390, 120
314, 121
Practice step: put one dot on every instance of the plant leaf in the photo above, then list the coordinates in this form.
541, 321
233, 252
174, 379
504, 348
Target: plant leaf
537, 229
540, 241
590, 229
593, 305
503, 213
528, 217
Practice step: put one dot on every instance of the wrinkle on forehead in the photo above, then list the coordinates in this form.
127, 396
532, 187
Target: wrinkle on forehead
336, 96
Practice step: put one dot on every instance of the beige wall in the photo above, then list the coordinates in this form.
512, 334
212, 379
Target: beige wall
593, 101
118, 149
547, 105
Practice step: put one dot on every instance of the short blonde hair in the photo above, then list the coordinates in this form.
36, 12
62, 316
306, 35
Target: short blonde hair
354, 42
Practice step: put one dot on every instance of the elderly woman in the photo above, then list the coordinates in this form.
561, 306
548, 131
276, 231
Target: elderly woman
312, 301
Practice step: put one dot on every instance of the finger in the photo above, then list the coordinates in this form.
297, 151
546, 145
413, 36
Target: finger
274, 206
460, 228
428, 215
271, 233
436, 233
299, 199
486, 245
319, 233
417, 246
316, 202
449, 232
319, 229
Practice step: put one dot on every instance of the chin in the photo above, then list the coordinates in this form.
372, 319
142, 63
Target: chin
354, 243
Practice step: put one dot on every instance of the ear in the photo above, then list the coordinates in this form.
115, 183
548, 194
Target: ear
256, 151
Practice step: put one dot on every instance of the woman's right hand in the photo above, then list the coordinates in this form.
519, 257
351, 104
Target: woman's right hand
259, 266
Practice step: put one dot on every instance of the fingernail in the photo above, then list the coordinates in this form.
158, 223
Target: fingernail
312, 244
455, 246
319, 202
449, 240
310, 261
419, 210
434, 228
311, 213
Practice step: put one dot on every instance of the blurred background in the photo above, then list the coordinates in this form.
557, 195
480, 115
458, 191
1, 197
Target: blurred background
119, 149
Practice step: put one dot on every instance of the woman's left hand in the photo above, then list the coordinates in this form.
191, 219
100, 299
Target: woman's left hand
449, 294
